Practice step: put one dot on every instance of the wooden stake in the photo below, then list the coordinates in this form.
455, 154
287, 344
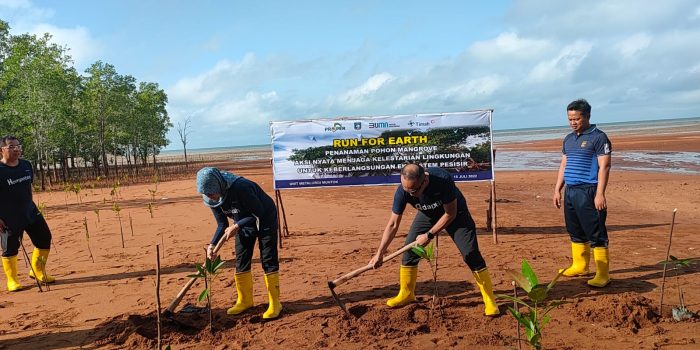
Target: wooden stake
668, 253
158, 293
279, 227
284, 215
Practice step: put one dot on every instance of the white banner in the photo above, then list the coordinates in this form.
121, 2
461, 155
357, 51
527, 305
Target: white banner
372, 150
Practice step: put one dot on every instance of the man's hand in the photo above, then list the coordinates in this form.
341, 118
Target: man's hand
2, 225
210, 252
600, 203
423, 239
556, 199
377, 261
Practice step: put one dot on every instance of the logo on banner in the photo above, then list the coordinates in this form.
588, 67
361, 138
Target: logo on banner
358, 125
411, 123
383, 125
336, 127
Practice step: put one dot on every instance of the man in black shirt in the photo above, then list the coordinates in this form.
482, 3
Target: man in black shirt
441, 206
255, 218
18, 213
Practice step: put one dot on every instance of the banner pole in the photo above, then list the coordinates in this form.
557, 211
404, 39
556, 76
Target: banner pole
494, 224
277, 205
284, 215
493, 209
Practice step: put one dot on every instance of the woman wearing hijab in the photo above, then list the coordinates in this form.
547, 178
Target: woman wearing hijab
254, 218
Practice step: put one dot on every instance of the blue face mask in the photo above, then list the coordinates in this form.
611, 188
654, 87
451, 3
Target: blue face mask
214, 181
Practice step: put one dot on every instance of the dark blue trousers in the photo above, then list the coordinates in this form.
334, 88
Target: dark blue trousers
583, 221
462, 231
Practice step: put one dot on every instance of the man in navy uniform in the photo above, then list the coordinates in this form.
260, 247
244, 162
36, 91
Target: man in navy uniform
584, 170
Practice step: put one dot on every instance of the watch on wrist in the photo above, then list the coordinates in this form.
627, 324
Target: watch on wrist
430, 235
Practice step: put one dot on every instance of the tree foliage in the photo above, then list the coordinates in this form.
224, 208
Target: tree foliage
67, 121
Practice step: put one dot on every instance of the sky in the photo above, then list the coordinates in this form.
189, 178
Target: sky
234, 66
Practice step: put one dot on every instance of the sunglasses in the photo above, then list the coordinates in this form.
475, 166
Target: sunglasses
13, 147
413, 191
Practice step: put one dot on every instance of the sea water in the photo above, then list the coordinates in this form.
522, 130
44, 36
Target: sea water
656, 161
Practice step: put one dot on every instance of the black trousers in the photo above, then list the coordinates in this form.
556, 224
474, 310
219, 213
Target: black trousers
463, 233
267, 243
38, 232
583, 221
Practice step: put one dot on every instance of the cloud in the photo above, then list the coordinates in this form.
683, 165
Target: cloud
568, 59
508, 46
83, 48
631, 46
15, 4
631, 62
359, 96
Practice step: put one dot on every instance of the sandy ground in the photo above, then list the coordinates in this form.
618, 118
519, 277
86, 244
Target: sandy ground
110, 303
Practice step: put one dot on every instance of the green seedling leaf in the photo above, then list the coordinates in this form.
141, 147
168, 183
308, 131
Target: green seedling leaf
420, 251
545, 320
529, 274
218, 266
538, 293
520, 280
430, 251
203, 295
512, 298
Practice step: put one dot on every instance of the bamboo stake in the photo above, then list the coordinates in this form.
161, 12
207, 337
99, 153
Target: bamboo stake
158, 293
668, 253
515, 306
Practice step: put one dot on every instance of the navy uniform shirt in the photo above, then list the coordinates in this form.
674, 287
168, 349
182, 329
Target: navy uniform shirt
17, 209
248, 205
441, 189
582, 152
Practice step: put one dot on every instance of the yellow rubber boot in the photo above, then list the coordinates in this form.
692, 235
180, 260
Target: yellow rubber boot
483, 280
39, 267
580, 254
602, 268
272, 282
407, 287
244, 288
9, 264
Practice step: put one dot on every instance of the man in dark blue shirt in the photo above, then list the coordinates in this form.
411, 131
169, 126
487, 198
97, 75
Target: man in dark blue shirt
18, 213
584, 169
255, 218
441, 206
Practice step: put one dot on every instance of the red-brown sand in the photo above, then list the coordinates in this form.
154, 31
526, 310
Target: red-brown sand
110, 303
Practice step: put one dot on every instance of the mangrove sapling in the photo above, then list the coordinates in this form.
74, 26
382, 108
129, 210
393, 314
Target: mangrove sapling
42, 209
206, 272
117, 209
429, 253
97, 212
131, 224
152, 193
536, 316
150, 209
75, 188
87, 238
680, 313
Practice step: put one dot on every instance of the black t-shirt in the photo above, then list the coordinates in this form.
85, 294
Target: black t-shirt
248, 205
17, 209
441, 189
